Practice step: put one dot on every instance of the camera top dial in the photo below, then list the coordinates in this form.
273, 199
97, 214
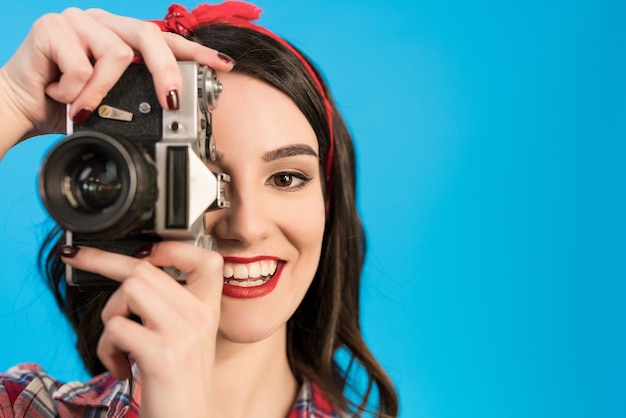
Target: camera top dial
209, 88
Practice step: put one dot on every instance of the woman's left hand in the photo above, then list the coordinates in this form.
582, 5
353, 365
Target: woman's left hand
175, 344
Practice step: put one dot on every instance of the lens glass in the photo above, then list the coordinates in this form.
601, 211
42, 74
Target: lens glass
97, 183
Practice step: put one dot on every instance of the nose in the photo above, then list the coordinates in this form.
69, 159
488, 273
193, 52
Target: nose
245, 223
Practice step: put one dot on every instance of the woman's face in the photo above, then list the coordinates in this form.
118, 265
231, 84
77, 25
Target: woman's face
271, 236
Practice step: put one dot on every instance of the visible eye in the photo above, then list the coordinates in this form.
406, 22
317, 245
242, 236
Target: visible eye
289, 181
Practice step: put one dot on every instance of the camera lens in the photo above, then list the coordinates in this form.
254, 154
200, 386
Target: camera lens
97, 183
94, 183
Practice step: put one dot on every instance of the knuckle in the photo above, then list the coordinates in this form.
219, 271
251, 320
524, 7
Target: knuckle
95, 12
215, 258
104, 315
112, 329
104, 338
149, 28
123, 53
131, 286
214, 261
100, 349
48, 22
139, 269
114, 325
81, 72
72, 12
145, 34
97, 92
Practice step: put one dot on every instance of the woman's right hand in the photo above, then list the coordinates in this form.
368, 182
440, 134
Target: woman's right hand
175, 343
76, 57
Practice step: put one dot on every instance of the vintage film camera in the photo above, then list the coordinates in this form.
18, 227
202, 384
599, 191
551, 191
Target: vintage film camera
134, 173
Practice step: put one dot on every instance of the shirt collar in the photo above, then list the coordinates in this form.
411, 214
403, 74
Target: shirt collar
102, 391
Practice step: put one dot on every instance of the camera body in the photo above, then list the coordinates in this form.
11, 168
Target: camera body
134, 173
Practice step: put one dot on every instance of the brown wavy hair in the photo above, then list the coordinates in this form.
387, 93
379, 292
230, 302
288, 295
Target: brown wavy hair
327, 321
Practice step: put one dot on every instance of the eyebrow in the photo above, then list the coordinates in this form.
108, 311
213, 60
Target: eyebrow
289, 151
277, 154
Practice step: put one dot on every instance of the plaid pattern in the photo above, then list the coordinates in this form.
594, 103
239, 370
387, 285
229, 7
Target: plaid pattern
313, 403
26, 391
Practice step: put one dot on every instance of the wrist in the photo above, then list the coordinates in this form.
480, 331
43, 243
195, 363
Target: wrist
15, 124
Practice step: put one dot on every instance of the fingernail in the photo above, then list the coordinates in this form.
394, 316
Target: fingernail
225, 58
69, 251
172, 100
144, 252
81, 116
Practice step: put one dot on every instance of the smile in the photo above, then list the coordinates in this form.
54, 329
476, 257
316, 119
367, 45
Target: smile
253, 277
251, 274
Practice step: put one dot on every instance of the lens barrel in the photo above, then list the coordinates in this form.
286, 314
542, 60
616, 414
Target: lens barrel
97, 184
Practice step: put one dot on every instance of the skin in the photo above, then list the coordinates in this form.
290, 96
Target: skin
200, 353
270, 215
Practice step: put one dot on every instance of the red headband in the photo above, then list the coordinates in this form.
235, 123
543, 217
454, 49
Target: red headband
236, 13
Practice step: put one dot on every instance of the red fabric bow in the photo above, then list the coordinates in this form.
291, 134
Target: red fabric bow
235, 13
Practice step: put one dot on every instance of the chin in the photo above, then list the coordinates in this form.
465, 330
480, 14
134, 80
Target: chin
245, 329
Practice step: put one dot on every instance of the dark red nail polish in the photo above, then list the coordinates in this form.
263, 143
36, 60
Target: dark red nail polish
69, 251
172, 100
225, 58
144, 252
81, 116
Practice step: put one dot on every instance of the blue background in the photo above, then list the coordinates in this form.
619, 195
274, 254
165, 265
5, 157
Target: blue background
491, 146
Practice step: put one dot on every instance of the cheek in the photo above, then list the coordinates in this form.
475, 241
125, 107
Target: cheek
302, 221
305, 217
307, 232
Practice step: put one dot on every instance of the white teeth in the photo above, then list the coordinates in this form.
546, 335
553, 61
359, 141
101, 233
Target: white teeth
271, 267
260, 270
254, 270
228, 271
265, 269
241, 271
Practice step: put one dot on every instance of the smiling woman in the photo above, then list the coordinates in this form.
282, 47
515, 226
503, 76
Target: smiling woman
256, 328
276, 188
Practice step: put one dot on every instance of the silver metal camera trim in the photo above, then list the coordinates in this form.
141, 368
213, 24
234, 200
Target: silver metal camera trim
69, 271
205, 190
187, 126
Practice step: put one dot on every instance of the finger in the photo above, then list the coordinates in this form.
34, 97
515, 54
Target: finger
115, 266
147, 40
121, 336
143, 275
111, 56
175, 311
55, 38
186, 50
204, 268
139, 296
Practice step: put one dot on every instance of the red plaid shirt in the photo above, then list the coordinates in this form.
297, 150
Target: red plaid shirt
26, 391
